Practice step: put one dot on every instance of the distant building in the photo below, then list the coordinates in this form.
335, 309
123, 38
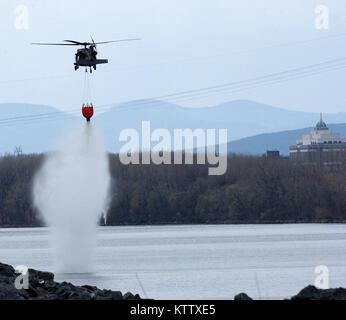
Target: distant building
321, 146
273, 154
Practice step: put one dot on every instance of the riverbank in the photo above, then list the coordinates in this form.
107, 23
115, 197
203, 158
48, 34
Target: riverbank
250, 222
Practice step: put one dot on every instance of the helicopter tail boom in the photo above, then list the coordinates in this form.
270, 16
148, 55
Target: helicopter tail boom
101, 61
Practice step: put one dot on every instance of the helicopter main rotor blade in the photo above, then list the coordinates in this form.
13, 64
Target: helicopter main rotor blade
77, 43
117, 41
53, 44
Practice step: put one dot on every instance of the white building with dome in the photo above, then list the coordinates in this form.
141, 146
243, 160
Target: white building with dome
321, 146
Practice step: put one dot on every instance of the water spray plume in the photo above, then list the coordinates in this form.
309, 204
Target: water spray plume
71, 192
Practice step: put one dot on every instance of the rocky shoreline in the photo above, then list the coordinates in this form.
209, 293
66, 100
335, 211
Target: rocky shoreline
41, 286
309, 293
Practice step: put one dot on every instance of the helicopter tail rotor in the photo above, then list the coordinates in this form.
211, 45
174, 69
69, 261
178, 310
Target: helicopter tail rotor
94, 44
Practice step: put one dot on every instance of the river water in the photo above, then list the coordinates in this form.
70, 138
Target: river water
196, 262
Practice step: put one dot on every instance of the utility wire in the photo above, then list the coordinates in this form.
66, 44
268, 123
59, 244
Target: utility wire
320, 67
185, 98
227, 88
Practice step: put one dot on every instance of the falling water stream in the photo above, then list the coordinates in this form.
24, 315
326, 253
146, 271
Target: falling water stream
71, 192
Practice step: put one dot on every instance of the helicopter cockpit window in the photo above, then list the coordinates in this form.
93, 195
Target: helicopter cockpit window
80, 56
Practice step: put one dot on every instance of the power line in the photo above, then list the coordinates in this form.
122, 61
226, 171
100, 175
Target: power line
231, 87
195, 93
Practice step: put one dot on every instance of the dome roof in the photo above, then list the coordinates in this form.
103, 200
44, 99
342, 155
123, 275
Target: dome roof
321, 125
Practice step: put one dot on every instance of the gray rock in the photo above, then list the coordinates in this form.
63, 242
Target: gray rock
32, 292
6, 270
90, 288
43, 275
242, 296
313, 293
117, 295
74, 296
8, 292
24, 294
130, 296
38, 278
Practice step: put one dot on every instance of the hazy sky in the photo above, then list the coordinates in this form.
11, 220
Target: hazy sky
186, 44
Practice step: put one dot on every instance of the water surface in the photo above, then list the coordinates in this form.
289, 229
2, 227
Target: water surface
199, 261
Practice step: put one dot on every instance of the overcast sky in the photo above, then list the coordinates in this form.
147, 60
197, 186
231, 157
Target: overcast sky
186, 44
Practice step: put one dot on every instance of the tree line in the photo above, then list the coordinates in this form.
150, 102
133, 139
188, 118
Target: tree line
253, 190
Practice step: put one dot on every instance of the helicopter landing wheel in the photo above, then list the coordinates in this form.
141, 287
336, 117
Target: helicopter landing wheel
76, 68
91, 71
94, 67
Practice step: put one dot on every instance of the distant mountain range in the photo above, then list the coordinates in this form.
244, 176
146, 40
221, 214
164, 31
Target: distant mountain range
259, 144
34, 134
38, 132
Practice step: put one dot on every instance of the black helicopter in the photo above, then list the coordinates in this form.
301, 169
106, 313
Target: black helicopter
86, 57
